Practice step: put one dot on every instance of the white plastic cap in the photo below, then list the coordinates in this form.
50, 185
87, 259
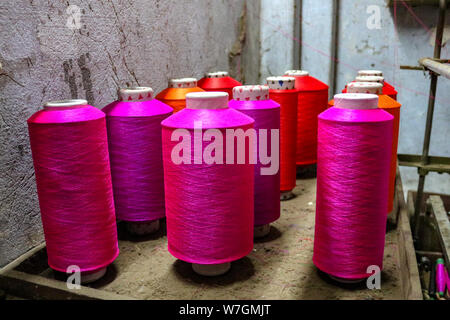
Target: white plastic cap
378, 73
207, 100
136, 94
281, 83
297, 73
183, 83
365, 87
251, 93
217, 74
370, 79
356, 101
65, 103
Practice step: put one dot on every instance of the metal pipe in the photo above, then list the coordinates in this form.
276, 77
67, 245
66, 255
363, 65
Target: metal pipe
298, 22
334, 47
437, 67
429, 123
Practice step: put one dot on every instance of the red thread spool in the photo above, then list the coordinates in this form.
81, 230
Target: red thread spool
134, 139
175, 94
391, 106
388, 89
219, 81
70, 154
312, 100
282, 90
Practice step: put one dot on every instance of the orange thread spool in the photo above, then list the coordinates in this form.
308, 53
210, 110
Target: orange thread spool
393, 107
388, 89
219, 81
312, 100
375, 76
175, 94
282, 90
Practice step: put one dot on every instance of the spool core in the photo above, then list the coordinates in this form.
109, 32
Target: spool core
281, 83
217, 74
69, 103
297, 73
365, 87
91, 276
359, 101
370, 79
261, 231
251, 93
142, 228
183, 83
135, 94
207, 100
211, 270
378, 73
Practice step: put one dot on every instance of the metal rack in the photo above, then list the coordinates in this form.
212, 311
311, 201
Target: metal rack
425, 163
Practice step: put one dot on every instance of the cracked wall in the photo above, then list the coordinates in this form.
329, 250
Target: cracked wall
45, 56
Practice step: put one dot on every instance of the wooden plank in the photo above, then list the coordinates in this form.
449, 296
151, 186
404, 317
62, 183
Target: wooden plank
399, 199
443, 224
36, 287
409, 272
13, 264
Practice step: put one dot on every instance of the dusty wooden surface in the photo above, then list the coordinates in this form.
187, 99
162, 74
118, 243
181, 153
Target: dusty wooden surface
279, 267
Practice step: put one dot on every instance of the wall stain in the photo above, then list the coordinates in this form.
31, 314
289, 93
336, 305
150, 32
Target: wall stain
69, 78
234, 56
86, 77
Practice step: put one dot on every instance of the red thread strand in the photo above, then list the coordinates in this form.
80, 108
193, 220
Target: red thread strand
287, 99
312, 100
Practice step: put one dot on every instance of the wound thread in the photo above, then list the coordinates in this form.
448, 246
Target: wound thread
134, 138
70, 154
354, 149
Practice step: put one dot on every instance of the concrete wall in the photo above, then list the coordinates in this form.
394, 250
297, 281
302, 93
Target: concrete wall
118, 43
277, 32
362, 45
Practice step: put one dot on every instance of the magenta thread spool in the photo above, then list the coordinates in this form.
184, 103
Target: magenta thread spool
70, 154
253, 100
440, 277
354, 151
209, 201
134, 139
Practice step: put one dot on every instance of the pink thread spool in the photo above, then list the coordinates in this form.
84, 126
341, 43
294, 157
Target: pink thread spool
354, 148
254, 102
134, 138
441, 277
70, 153
209, 205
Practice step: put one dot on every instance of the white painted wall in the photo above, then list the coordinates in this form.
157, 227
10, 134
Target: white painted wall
386, 48
276, 32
